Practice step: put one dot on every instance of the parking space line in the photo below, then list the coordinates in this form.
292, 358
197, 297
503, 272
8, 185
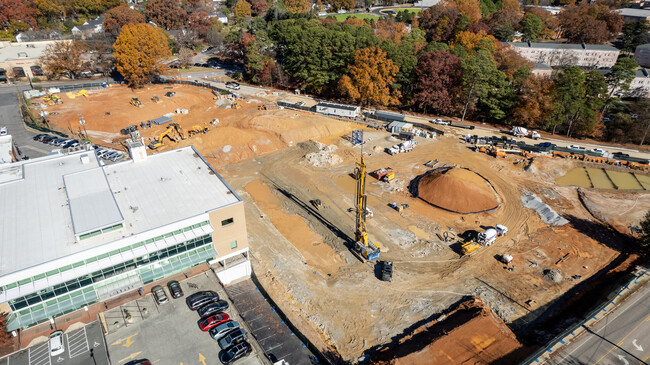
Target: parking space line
78, 343
39, 355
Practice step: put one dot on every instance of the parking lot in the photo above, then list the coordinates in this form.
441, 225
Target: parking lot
168, 333
82, 346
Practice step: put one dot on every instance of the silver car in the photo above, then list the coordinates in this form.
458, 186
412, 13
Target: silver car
235, 336
223, 329
160, 295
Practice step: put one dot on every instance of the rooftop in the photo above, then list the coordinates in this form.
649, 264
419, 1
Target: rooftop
6, 147
647, 45
638, 13
552, 45
50, 201
542, 66
338, 106
23, 50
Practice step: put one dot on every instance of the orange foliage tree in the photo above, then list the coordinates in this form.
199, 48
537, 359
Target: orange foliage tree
139, 53
297, 6
512, 5
117, 17
63, 59
534, 102
370, 78
473, 41
242, 9
470, 8
390, 29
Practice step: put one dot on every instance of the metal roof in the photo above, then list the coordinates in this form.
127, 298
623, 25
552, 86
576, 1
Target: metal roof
162, 120
27, 50
542, 66
637, 13
37, 216
389, 115
552, 45
338, 106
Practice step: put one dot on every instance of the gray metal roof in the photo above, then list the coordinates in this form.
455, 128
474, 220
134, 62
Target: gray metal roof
389, 115
552, 45
92, 205
542, 66
162, 120
37, 220
338, 106
637, 13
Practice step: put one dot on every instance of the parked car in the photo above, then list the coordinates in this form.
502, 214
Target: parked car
73, 143
232, 85
547, 145
3, 131
233, 337
117, 156
169, 94
440, 121
620, 154
198, 64
199, 299
214, 307
222, 329
47, 139
175, 289
237, 351
386, 271
108, 155
57, 347
54, 141
576, 147
38, 137
209, 323
159, 294
599, 151
139, 362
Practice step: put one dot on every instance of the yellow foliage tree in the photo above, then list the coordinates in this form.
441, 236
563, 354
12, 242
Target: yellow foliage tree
370, 78
473, 41
511, 5
139, 53
242, 9
469, 8
297, 6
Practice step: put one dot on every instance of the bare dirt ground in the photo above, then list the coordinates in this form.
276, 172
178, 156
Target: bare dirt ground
301, 254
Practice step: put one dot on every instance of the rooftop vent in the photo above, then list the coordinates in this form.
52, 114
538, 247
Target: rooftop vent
85, 159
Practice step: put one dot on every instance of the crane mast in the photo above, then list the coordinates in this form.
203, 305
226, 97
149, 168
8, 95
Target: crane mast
363, 246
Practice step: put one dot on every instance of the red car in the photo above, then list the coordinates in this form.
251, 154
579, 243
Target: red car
211, 322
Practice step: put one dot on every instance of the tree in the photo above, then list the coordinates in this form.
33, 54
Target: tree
242, 10
534, 101
370, 78
503, 24
437, 80
199, 22
342, 4
16, 15
166, 13
551, 24
390, 29
471, 41
118, 17
185, 56
63, 59
511, 5
297, 6
621, 75
531, 26
470, 8
139, 53
258, 7
511, 62
485, 86
645, 230
590, 23
5, 337
440, 22
634, 34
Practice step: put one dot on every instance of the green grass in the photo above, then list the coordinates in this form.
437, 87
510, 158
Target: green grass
343, 17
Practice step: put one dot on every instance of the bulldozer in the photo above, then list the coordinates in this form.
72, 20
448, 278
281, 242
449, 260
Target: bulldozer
196, 130
235, 105
174, 132
136, 102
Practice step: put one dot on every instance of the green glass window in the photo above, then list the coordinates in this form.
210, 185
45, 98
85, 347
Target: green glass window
10, 286
227, 222
39, 277
78, 264
92, 259
53, 272
65, 268
25, 281
102, 256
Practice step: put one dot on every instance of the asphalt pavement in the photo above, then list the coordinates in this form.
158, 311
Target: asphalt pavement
11, 118
82, 347
621, 338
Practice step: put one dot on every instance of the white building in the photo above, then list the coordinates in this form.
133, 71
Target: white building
565, 54
76, 232
88, 28
341, 110
21, 60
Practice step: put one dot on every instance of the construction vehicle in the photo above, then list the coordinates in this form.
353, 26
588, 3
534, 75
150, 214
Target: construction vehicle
235, 105
523, 132
487, 237
469, 247
316, 203
385, 174
52, 99
155, 99
196, 130
136, 102
362, 245
406, 146
128, 130
82, 92
173, 132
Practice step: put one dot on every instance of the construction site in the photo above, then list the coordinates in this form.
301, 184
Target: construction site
482, 248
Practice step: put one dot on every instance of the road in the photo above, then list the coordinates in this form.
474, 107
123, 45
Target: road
621, 338
10, 117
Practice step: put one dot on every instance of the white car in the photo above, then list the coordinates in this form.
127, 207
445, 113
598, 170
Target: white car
439, 121
576, 147
599, 151
3, 131
57, 346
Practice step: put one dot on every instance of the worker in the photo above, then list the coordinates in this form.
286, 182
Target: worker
142, 125
149, 123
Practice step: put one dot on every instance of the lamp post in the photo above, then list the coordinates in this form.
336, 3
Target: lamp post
82, 121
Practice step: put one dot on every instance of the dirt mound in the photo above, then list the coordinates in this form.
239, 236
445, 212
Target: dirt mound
470, 334
458, 190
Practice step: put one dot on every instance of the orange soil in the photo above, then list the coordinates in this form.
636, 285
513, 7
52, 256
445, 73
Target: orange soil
457, 190
294, 228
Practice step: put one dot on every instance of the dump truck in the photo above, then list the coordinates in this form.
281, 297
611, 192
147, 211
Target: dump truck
385, 174
523, 132
406, 146
487, 237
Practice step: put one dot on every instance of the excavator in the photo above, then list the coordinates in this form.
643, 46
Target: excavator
196, 130
174, 132
363, 246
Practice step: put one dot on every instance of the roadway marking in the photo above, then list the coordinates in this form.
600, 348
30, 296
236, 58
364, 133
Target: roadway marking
131, 357
618, 345
78, 343
622, 358
636, 346
126, 341
201, 358
40, 355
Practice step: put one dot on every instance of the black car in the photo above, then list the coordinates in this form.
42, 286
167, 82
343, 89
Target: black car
169, 94
216, 306
620, 154
38, 137
47, 139
175, 289
199, 299
72, 143
235, 352
386, 270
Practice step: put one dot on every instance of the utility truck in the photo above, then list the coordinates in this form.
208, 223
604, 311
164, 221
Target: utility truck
523, 132
406, 146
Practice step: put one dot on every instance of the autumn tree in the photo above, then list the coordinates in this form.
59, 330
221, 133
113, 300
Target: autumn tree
370, 78
258, 7
342, 4
511, 5
437, 81
511, 62
63, 59
5, 337
534, 101
645, 230
199, 22
242, 10
441, 23
390, 29
297, 6
118, 17
139, 53
503, 24
549, 21
469, 8
166, 13
17, 15
590, 23
471, 41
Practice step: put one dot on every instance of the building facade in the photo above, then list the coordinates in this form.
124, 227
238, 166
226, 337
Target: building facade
542, 69
22, 60
89, 232
562, 54
341, 110
634, 15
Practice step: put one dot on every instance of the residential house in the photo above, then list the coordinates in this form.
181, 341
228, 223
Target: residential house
88, 28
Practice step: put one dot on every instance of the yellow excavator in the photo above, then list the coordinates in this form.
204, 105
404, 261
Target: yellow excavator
362, 245
174, 132
196, 130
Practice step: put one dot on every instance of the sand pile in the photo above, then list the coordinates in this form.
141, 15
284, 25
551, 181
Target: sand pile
325, 157
457, 190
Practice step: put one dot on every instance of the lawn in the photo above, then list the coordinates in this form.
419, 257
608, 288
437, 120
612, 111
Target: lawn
362, 16
410, 10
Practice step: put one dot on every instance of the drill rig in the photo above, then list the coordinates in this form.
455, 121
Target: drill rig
362, 245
